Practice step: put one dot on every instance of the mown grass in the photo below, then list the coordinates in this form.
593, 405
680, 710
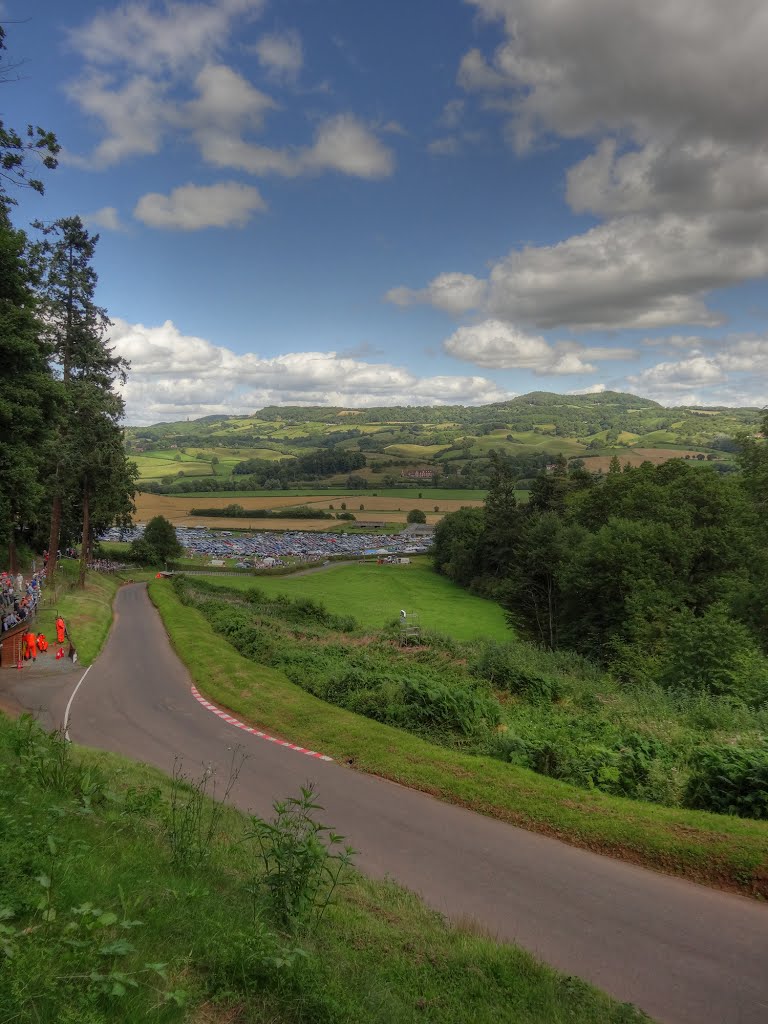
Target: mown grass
87, 612
375, 594
103, 923
717, 850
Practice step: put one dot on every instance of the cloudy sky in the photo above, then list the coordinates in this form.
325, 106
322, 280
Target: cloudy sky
411, 201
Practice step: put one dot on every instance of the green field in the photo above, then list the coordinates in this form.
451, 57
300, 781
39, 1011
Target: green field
419, 452
656, 438
153, 467
540, 442
198, 461
374, 595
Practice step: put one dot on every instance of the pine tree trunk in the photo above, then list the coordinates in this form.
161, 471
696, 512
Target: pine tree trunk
84, 547
53, 543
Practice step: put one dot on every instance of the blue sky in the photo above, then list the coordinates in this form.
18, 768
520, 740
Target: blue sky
411, 201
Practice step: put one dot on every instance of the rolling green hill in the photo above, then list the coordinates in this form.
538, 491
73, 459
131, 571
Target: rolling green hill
275, 446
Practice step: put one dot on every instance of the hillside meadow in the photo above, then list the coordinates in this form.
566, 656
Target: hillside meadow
375, 594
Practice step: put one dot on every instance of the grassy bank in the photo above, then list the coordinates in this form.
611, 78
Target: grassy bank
718, 850
117, 905
87, 612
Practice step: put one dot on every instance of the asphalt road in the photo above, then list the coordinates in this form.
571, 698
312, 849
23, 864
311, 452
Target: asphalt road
684, 953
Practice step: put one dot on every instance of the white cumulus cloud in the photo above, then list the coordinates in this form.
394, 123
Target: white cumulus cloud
134, 115
731, 371
453, 293
191, 207
495, 344
602, 66
174, 375
679, 172
634, 271
155, 72
345, 144
156, 37
281, 54
106, 217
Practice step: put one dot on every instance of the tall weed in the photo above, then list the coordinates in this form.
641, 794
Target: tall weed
300, 862
195, 811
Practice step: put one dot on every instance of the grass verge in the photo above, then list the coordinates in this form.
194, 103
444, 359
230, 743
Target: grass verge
101, 921
717, 850
87, 612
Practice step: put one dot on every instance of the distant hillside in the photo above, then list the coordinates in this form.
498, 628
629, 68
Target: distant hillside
450, 442
615, 400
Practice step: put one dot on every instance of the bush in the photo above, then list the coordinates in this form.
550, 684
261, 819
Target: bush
416, 516
730, 780
500, 665
714, 652
435, 707
141, 553
592, 758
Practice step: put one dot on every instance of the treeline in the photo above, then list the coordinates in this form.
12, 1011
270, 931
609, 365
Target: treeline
660, 572
472, 474
238, 512
316, 464
64, 475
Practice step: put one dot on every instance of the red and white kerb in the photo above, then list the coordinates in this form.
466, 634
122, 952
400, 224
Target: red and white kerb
226, 717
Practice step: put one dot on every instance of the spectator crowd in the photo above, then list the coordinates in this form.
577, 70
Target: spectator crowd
19, 597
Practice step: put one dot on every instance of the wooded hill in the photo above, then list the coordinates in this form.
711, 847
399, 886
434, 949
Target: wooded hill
382, 445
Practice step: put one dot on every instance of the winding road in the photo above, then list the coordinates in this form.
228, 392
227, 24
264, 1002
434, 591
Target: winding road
684, 953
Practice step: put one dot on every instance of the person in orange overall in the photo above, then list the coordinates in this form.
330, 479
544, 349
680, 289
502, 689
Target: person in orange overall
30, 650
60, 630
42, 643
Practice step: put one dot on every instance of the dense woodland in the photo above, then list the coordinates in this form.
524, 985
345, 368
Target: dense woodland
658, 574
64, 474
623, 568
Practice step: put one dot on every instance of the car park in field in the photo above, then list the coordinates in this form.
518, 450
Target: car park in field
268, 548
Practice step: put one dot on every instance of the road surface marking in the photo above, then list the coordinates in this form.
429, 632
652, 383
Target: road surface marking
69, 702
225, 715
